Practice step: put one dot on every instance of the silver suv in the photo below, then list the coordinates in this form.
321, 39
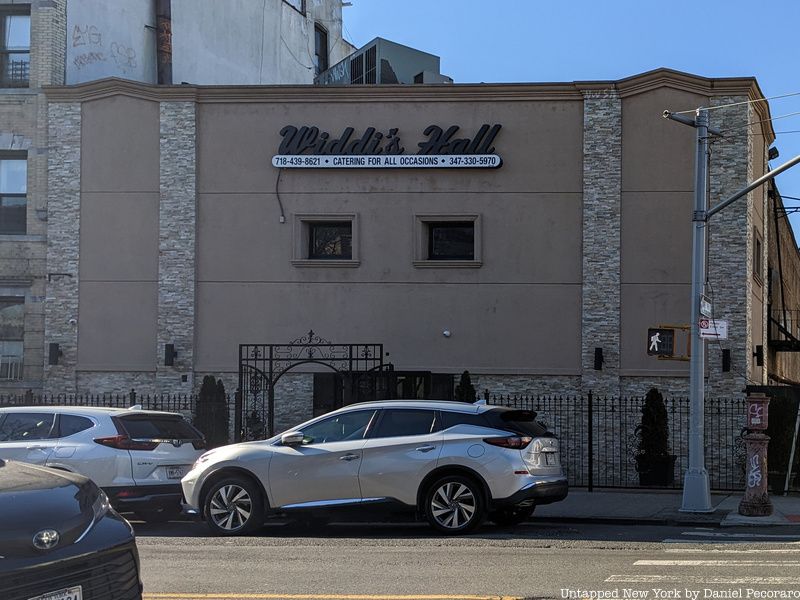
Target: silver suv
454, 463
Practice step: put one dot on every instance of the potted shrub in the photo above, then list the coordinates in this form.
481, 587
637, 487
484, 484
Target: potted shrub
465, 391
654, 463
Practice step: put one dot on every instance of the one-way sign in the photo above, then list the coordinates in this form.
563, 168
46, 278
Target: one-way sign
660, 342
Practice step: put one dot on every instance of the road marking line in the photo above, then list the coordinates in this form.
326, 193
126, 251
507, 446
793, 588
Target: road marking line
726, 541
682, 579
731, 551
715, 563
171, 596
717, 534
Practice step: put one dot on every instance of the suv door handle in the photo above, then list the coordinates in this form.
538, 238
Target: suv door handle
34, 447
426, 448
348, 457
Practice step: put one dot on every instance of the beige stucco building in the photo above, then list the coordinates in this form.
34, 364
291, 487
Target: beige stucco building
169, 223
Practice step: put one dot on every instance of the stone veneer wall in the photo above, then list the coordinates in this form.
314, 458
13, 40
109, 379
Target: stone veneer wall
63, 237
602, 182
176, 252
730, 247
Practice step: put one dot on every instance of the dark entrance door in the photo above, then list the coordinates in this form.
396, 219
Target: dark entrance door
334, 390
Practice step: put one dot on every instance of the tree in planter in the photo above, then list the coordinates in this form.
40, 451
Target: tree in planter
465, 391
211, 412
656, 466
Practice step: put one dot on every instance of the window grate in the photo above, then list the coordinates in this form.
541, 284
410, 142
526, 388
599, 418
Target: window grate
357, 69
370, 70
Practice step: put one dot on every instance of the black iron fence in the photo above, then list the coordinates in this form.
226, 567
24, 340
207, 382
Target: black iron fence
597, 435
599, 441
184, 403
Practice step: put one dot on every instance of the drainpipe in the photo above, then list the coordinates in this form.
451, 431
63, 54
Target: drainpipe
164, 41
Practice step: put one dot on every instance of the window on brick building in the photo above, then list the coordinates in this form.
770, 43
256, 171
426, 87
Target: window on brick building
13, 195
758, 259
15, 53
12, 329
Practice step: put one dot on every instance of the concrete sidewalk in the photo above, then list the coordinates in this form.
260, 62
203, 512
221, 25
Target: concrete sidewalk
662, 508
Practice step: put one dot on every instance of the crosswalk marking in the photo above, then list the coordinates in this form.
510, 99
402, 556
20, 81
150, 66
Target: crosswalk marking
708, 580
715, 563
731, 550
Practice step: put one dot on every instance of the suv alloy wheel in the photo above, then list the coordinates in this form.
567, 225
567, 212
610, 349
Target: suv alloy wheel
233, 506
454, 504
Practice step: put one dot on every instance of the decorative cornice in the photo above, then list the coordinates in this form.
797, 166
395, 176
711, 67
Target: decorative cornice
462, 92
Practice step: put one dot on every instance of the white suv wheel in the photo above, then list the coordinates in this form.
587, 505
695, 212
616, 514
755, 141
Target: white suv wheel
233, 507
454, 505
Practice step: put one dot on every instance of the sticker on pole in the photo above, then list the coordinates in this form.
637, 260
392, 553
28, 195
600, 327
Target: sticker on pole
713, 329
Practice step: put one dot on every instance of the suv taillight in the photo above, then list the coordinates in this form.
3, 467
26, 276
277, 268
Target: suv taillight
123, 442
517, 442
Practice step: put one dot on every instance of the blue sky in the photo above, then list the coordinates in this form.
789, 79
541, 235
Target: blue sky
573, 40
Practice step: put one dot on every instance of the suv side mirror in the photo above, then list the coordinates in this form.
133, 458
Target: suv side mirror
293, 438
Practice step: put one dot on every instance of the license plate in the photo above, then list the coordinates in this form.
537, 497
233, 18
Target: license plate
73, 593
550, 458
176, 472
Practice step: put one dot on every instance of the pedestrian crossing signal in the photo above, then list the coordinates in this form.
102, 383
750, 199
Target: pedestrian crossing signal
661, 342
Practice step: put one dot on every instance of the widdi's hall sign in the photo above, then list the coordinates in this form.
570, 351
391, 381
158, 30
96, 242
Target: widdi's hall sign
309, 148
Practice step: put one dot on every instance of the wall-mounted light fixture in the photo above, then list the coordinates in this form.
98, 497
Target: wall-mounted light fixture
170, 354
773, 153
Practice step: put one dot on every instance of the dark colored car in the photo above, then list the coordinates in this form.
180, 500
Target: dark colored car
60, 540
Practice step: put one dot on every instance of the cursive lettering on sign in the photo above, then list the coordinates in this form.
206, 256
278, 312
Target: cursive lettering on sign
439, 142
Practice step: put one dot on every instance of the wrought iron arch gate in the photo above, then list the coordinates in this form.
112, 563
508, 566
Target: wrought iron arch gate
262, 365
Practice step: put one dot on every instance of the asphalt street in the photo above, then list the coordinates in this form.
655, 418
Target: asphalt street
406, 560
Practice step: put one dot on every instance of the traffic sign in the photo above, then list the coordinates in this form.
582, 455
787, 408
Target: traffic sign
713, 329
660, 342
705, 307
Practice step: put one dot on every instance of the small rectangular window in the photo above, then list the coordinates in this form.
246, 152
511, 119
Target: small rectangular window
330, 240
757, 255
447, 240
451, 240
15, 47
320, 50
12, 330
13, 196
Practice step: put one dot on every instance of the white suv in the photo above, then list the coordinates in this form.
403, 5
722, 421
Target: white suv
454, 463
137, 456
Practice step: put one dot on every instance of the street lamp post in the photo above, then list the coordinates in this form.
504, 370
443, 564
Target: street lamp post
696, 488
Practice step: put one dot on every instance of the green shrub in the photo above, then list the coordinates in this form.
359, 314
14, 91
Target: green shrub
211, 412
465, 391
